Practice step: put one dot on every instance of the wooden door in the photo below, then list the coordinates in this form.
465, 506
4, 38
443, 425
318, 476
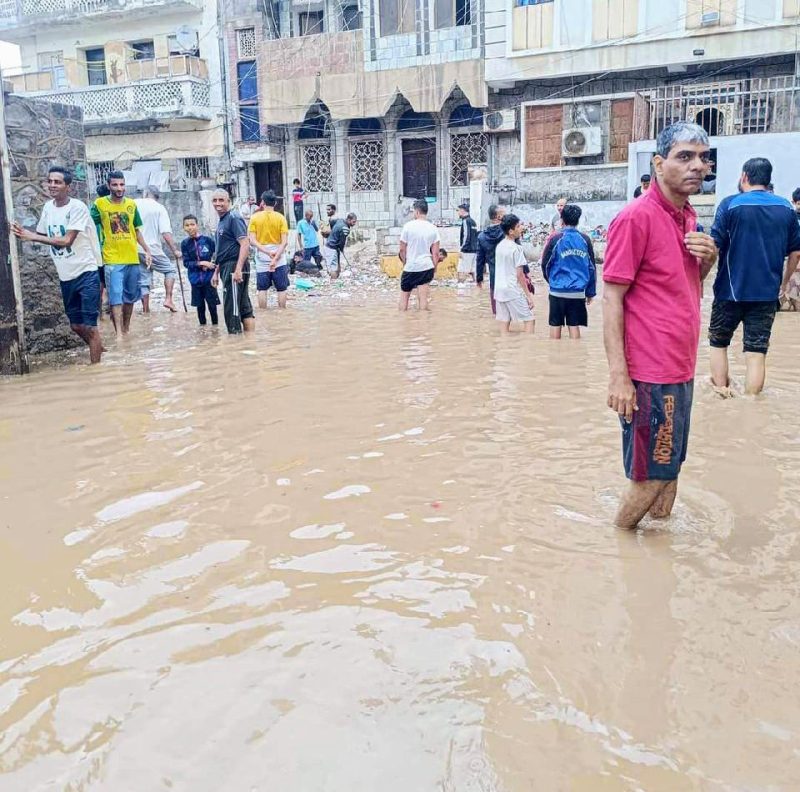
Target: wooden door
419, 168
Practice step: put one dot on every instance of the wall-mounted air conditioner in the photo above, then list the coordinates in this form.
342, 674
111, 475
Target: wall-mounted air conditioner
582, 142
500, 121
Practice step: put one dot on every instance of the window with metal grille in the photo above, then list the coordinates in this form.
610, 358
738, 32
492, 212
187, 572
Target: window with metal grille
98, 172
317, 168
246, 43
194, 167
467, 149
366, 165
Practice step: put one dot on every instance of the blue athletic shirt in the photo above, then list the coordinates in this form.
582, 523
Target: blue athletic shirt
309, 233
754, 232
195, 251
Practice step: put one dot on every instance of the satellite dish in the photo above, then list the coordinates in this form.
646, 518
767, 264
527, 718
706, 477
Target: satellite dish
186, 38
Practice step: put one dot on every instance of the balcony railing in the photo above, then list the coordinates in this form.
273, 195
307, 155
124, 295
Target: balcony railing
135, 71
737, 107
180, 97
24, 13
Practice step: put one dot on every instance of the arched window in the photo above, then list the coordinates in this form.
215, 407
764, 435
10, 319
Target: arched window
411, 121
465, 116
364, 126
313, 128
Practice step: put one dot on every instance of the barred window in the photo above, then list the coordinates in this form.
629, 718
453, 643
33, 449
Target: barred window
466, 149
246, 43
366, 165
194, 167
317, 168
98, 171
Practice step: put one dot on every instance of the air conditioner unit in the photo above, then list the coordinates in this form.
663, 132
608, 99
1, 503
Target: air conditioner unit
500, 121
582, 142
709, 19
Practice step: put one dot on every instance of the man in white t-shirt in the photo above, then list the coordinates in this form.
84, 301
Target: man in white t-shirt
155, 227
67, 227
511, 293
419, 249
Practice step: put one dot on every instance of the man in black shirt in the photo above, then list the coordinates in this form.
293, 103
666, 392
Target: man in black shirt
468, 243
233, 266
334, 247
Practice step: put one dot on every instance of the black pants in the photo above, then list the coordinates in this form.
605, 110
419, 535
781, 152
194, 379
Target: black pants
235, 296
202, 295
298, 211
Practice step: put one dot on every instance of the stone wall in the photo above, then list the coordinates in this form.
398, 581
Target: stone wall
41, 134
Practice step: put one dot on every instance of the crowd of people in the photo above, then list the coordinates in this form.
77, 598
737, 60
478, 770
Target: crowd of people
656, 260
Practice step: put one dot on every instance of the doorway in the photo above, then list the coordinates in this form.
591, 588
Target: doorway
269, 176
419, 168
96, 66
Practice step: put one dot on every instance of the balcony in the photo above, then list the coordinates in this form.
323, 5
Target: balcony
144, 100
20, 18
736, 107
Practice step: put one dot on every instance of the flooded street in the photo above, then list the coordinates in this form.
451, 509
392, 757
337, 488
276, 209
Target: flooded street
362, 551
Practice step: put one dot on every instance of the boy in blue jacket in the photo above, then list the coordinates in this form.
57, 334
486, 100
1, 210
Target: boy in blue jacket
197, 251
569, 268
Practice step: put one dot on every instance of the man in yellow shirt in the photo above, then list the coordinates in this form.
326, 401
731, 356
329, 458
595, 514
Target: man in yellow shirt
269, 234
118, 219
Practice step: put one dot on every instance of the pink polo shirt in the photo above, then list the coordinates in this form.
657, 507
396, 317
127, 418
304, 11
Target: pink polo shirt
662, 306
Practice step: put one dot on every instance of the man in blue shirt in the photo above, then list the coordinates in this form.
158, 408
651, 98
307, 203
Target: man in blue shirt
309, 241
754, 231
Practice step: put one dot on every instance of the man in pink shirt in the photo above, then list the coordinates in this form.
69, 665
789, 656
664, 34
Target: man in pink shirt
655, 262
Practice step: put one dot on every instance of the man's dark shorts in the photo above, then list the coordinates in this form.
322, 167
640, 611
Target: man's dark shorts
81, 297
568, 311
757, 317
654, 444
410, 280
279, 279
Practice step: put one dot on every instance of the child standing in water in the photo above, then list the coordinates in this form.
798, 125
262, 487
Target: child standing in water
198, 250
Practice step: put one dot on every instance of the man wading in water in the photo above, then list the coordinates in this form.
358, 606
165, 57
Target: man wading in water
655, 262
233, 267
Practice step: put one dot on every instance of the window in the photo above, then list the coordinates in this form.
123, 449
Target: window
143, 50
176, 49
576, 23
351, 18
194, 168
364, 126
313, 128
396, 16
466, 116
661, 16
532, 2
310, 23
250, 124
98, 172
411, 121
53, 62
96, 65
542, 135
317, 169
366, 165
247, 88
452, 12
246, 43
466, 149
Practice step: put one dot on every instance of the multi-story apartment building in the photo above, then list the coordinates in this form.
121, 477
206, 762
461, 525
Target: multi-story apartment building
369, 104
145, 72
574, 82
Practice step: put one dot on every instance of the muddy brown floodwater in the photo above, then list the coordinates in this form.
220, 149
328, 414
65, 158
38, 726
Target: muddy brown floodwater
362, 552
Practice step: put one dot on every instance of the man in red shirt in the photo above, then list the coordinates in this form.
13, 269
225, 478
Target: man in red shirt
655, 262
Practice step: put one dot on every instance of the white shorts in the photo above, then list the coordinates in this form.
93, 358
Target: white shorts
466, 264
331, 258
516, 310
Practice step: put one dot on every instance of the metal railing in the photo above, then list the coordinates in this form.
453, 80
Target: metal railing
735, 107
19, 11
186, 97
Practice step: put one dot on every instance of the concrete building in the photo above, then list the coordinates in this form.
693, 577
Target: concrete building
145, 73
576, 81
370, 104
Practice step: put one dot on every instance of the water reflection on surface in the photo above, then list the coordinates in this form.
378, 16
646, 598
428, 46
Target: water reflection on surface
363, 551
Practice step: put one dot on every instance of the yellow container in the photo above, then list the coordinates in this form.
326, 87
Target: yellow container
393, 267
